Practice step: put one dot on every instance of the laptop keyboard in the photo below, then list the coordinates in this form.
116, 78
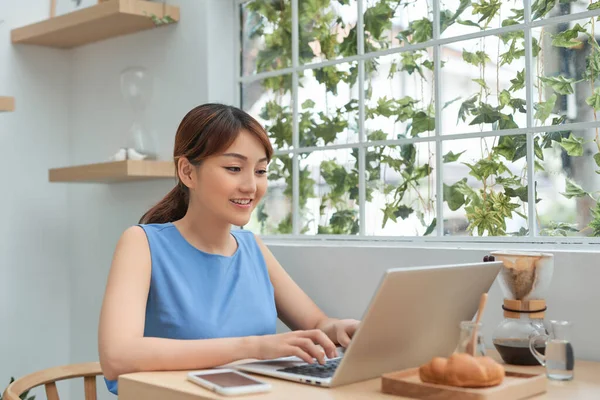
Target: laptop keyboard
320, 371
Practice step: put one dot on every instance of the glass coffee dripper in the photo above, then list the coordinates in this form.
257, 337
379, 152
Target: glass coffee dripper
524, 279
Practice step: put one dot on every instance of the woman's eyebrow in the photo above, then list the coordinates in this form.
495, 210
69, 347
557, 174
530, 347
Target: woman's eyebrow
242, 157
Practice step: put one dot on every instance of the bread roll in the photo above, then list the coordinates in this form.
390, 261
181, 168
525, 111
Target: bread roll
462, 370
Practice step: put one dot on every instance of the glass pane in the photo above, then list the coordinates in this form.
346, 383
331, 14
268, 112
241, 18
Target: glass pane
327, 30
391, 24
459, 17
266, 37
483, 84
270, 102
542, 9
329, 192
568, 183
274, 213
485, 186
328, 99
399, 96
566, 73
401, 190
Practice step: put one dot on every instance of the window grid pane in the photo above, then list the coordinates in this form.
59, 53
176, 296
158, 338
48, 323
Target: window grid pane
520, 54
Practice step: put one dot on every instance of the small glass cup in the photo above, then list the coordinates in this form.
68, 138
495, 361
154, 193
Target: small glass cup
558, 357
468, 338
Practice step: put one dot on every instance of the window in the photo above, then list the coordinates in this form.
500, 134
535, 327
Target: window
426, 118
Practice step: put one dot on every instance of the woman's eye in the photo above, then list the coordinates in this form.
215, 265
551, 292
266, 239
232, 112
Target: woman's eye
233, 169
261, 171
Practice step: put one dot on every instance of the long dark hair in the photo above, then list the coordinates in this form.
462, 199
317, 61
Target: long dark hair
206, 130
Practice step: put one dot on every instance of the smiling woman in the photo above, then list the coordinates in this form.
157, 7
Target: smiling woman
185, 291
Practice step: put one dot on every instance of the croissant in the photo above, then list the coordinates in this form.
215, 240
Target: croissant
462, 370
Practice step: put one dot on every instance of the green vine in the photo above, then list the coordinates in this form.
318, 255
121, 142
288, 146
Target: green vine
500, 192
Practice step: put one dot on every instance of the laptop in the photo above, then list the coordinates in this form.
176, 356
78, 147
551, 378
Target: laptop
413, 316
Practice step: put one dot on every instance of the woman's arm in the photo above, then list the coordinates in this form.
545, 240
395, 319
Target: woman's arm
297, 310
124, 349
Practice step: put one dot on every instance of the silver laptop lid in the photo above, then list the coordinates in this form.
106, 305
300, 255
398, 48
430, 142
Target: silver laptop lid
414, 316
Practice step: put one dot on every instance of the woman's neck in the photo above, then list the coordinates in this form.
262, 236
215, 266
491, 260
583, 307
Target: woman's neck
206, 234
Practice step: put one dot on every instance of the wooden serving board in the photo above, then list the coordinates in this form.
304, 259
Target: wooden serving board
515, 386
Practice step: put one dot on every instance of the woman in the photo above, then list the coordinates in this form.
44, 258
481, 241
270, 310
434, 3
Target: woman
187, 292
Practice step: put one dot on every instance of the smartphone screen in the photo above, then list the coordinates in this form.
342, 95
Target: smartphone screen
228, 379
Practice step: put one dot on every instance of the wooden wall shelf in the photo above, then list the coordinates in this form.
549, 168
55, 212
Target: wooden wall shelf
102, 21
115, 171
7, 104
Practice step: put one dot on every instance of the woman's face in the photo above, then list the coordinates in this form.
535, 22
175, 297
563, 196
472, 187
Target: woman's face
231, 184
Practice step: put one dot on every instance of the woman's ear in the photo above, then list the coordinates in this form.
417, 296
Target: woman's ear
186, 172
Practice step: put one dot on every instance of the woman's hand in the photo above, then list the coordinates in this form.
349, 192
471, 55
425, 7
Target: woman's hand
340, 330
302, 344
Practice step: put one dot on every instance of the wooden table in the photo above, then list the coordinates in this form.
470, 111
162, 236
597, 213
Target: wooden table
173, 385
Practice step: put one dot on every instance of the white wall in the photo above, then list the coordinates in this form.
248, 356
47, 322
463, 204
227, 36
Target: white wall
192, 64
341, 278
34, 262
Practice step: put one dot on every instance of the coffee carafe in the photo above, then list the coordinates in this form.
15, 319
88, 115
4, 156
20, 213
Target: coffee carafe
524, 279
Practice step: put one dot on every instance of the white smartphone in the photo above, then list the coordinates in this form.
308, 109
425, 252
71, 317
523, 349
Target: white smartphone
228, 382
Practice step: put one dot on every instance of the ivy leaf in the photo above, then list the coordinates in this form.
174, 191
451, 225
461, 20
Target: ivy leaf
560, 84
573, 190
518, 82
431, 227
568, 38
447, 18
507, 122
451, 157
594, 6
518, 104
594, 100
403, 211
544, 109
597, 159
506, 147
592, 66
466, 108
487, 9
558, 228
421, 122
541, 7
520, 192
446, 104
469, 23
573, 145
308, 104
409, 63
422, 30
504, 98
378, 18
377, 135
595, 222
486, 114
481, 83
453, 196
478, 58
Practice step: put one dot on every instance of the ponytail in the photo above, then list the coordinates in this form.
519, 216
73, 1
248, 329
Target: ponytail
171, 208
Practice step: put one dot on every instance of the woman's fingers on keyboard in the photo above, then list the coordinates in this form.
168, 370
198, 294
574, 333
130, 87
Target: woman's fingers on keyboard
298, 352
319, 337
311, 348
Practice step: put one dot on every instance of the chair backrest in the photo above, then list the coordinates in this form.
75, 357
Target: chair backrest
49, 377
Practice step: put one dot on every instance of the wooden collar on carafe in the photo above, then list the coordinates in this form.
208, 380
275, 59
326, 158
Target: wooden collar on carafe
535, 309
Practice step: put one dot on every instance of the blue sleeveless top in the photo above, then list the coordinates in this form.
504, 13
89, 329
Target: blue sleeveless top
198, 295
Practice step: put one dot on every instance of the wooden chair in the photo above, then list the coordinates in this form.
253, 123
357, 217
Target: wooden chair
50, 376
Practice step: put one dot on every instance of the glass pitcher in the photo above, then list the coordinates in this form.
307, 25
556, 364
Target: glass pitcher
558, 359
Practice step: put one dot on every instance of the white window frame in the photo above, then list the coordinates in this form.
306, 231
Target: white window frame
436, 43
